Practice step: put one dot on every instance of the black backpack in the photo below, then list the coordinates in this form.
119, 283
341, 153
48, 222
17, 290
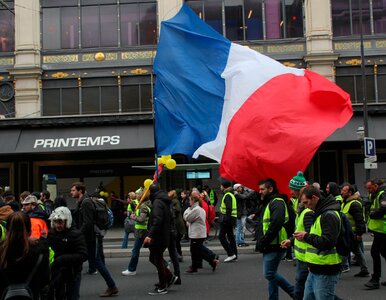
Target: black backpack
104, 218
21, 291
346, 236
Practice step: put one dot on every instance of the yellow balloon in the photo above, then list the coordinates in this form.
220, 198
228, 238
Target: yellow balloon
101, 193
161, 161
106, 194
147, 183
171, 164
166, 158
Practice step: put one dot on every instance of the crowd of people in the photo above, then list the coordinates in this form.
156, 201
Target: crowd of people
45, 244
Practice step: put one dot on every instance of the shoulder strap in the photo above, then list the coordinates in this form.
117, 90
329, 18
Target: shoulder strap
40, 258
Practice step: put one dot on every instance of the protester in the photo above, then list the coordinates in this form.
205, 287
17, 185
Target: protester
38, 216
195, 217
158, 237
70, 251
19, 254
129, 222
242, 213
47, 202
178, 221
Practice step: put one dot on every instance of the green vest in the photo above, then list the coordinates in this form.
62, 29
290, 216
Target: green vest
2, 229
129, 209
51, 256
377, 225
295, 204
300, 247
234, 205
345, 207
282, 235
339, 198
142, 225
321, 257
211, 197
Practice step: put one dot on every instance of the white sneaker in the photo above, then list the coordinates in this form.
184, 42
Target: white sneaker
129, 273
230, 258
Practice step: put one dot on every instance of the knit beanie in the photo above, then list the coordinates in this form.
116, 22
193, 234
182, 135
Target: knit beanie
297, 182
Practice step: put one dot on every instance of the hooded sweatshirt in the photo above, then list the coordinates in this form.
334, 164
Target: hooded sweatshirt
330, 225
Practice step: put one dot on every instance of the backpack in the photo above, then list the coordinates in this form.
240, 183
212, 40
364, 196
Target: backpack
211, 214
346, 236
21, 291
104, 217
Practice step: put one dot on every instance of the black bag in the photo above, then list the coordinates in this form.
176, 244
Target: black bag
21, 291
346, 236
129, 225
103, 215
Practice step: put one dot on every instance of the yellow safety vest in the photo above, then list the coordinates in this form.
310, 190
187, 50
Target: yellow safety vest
142, 225
377, 225
339, 198
321, 257
295, 204
135, 201
300, 247
234, 205
267, 221
345, 207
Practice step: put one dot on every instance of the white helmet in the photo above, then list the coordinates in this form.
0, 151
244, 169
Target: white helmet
61, 213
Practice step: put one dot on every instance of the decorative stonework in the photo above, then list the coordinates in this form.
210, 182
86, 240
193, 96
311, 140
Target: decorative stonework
54, 59
111, 56
289, 64
351, 45
354, 62
137, 55
380, 44
88, 57
59, 75
257, 48
6, 61
139, 71
285, 48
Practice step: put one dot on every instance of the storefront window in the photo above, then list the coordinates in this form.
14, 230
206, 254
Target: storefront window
7, 31
244, 19
70, 28
379, 15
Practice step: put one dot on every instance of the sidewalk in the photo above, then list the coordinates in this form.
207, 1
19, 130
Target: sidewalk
113, 240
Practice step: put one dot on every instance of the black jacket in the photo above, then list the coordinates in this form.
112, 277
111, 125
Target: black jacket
17, 272
278, 209
160, 220
70, 251
330, 225
84, 217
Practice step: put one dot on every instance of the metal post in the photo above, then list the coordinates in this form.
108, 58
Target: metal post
363, 75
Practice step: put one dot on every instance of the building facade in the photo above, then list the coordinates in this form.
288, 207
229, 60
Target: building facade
76, 83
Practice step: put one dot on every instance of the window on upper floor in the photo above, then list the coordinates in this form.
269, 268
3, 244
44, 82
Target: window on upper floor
98, 24
7, 28
242, 20
346, 17
96, 96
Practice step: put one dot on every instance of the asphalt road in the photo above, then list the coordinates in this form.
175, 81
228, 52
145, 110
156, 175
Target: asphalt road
243, 279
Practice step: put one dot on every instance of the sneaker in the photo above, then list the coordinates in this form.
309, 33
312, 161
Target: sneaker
158, 291
172, 280
92, 273
345, 270
242, 245
372, 284
214, 264
230, 258
128, 273
178, 281
362, 274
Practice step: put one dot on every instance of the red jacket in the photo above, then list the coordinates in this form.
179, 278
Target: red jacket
205, 207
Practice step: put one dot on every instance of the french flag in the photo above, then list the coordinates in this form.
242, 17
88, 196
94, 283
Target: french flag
252, 114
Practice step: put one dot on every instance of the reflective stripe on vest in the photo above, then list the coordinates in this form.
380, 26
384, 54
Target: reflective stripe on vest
223, 208
320, 257
282, 235
377, 225
345, 208
142, 225
51, 256
300, 247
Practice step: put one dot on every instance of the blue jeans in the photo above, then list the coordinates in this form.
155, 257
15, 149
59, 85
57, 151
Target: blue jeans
240, 230
300, 279
271, 261
135, 254
101, 267
320, 287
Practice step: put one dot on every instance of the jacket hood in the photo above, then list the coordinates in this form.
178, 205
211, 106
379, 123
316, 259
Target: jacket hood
161, 195
329, 203
334, 189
